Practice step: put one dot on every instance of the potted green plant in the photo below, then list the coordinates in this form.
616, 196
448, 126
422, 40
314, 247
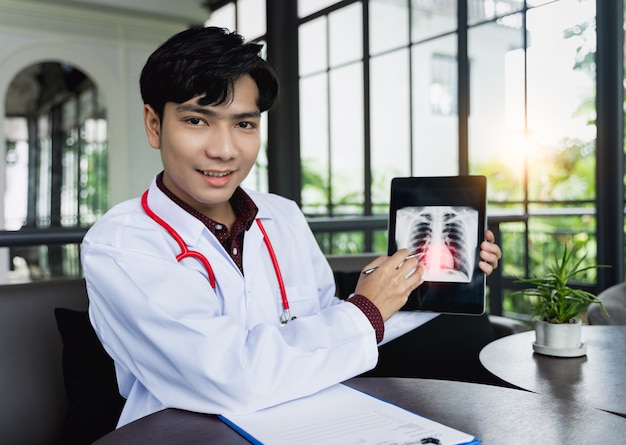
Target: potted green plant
556, 306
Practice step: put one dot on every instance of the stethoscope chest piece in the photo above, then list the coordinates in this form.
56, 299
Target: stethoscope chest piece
286, 317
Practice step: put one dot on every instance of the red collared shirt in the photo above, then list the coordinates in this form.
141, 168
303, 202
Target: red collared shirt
232, 240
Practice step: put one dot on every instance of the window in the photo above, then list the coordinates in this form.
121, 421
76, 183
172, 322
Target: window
331, 107
16, 195
385, 90
443, 86
532, 130
57, 159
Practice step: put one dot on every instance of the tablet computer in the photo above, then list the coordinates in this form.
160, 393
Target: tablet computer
442, 220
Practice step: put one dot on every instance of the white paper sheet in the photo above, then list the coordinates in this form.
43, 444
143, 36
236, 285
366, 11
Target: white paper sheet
341, 415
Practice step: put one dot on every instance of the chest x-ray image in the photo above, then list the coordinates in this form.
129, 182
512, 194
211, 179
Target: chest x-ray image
444, 239
441, 219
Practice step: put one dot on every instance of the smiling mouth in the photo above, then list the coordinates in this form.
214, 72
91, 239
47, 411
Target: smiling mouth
214, 174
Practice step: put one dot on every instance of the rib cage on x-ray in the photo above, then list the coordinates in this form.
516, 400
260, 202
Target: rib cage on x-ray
442, 237
448, 226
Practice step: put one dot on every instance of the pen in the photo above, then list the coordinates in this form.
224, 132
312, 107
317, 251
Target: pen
372, 269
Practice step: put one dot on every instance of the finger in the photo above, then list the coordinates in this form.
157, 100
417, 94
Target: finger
489, 236
490, 245
416, 273
486, 267
491, 248
408, 266
489, 256
405, 258
415, 278
489, 264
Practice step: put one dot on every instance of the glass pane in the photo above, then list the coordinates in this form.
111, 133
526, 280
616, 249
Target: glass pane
346, 35
482, 10
346, 242
346, 132
16, 178
312, 45
443, 91
390, 122
223, 17
69, 113
513, 242
389, 25
93, 171
561, 100
432, 18
308, 7
496, 124
435, 135
45, 178
69, 189
86, 104
251, 18
314, 139
548, 235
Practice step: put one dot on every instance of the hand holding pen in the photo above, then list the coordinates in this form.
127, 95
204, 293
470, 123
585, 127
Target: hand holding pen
372, 269
389, 288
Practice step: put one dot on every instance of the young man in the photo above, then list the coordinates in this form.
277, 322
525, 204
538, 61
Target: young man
214, 299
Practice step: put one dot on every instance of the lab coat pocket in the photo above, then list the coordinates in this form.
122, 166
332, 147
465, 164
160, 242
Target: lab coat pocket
303, 300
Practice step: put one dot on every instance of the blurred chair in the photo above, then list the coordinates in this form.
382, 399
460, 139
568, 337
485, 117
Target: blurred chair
614, 299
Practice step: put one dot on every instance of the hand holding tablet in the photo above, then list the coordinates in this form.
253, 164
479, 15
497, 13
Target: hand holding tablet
442, 221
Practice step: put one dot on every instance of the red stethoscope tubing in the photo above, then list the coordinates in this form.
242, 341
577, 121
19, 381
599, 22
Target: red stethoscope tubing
187, 253
279, 275
184, 251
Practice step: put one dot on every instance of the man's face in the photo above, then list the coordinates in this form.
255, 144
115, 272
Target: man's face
207, 151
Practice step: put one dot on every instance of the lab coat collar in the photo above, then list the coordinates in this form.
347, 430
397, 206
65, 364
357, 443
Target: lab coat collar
188, 226
263, 214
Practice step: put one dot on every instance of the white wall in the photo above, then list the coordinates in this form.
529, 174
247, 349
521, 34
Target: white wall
110, 49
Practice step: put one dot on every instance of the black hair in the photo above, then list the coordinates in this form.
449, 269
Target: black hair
205, 61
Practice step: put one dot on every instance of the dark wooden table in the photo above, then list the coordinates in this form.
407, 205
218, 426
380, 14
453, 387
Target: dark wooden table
494, 414
597, 379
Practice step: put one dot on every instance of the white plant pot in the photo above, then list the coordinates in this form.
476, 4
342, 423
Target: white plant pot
560, 340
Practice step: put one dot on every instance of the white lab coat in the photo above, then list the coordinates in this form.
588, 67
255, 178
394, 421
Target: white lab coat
178, 343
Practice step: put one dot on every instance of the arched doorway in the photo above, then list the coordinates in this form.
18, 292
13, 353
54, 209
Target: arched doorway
56, 160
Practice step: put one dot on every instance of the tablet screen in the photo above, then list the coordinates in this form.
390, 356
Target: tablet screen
442, 220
